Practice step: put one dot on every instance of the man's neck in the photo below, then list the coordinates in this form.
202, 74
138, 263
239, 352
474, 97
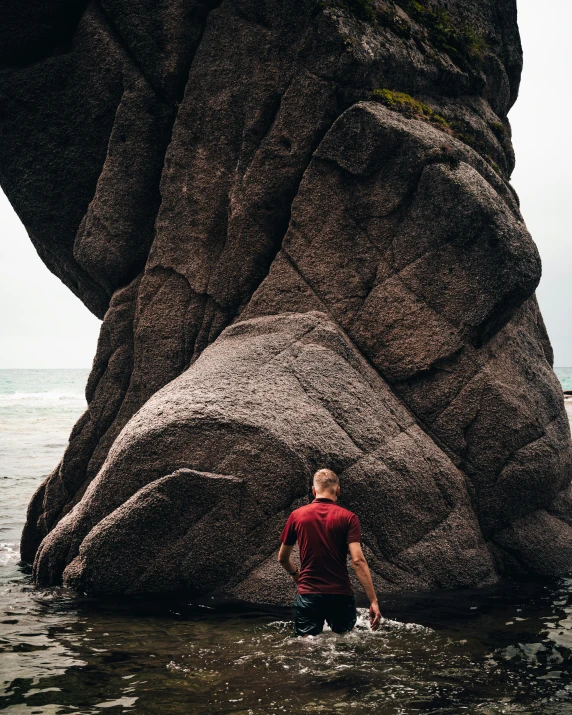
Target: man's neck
324, 495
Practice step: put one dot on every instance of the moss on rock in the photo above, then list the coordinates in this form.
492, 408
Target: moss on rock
459, 43
410, 107
463, 45
498, 129
414, 109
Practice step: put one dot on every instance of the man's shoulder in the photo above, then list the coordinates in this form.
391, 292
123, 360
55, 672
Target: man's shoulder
336, 508
345, 512
301, 510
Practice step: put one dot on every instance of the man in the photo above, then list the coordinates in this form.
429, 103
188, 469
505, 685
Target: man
325, 531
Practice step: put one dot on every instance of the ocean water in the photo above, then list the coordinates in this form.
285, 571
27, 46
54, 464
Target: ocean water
37, 411
502, 650
565, 376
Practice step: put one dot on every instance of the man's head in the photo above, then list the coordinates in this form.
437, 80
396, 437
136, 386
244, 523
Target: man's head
326, 484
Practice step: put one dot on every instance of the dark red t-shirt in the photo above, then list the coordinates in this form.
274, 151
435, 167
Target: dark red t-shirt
323, 531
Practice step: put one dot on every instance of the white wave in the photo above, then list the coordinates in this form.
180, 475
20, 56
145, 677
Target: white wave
43, 399
9, 553
362, 624
173, 666
281, 625
388, 625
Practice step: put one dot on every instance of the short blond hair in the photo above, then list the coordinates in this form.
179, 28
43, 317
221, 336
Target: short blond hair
326, 481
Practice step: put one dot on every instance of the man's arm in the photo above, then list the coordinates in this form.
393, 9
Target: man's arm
285, 560
364, 576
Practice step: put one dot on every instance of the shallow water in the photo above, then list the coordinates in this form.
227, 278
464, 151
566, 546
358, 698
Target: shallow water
503, 650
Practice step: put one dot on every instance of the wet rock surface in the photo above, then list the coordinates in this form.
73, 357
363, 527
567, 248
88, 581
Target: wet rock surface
291, 274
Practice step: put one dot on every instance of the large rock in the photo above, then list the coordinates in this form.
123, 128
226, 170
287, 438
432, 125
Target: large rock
196, 487
422, 257
190, 169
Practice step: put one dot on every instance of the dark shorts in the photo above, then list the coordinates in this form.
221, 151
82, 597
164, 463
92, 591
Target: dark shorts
312, 609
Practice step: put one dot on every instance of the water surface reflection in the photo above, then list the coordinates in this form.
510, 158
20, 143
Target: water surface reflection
504, 650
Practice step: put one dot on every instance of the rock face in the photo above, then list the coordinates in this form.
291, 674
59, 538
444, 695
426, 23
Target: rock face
296, 222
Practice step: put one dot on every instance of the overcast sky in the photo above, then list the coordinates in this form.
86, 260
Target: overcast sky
43, 325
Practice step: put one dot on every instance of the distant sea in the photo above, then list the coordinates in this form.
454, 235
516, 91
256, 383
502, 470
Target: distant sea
564, 374
38, 408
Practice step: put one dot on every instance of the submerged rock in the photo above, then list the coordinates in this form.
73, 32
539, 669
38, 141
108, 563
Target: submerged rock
297, 223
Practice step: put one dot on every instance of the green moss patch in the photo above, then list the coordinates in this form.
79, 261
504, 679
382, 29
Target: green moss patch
406, 105
388, 18
498, 129
413, 109
463, 45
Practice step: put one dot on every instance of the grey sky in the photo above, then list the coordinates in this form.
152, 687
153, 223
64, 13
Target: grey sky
541, 130
43, 325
